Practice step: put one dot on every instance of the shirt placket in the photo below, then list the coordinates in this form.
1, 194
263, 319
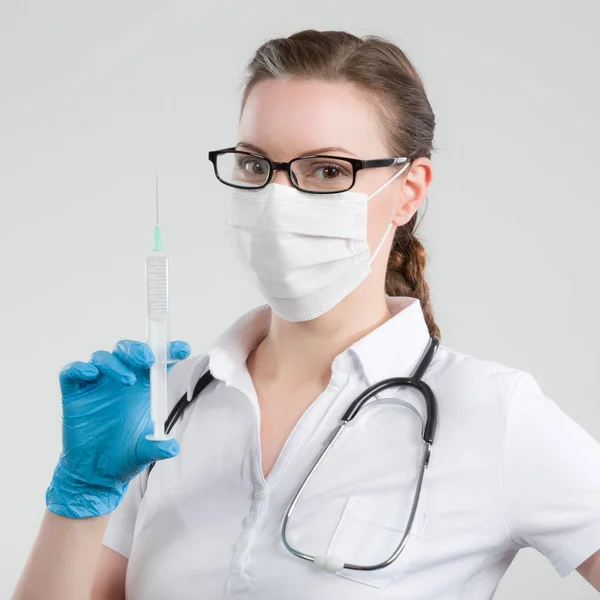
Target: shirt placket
240, 580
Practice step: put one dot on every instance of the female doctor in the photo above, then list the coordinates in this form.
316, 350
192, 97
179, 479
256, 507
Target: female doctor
330, 242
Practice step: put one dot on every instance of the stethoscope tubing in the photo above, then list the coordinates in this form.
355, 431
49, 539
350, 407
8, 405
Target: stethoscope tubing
428, 435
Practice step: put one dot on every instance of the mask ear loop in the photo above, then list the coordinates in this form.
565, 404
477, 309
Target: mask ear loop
389, 227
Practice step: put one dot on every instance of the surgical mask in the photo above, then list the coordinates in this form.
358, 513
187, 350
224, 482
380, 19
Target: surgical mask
304, 252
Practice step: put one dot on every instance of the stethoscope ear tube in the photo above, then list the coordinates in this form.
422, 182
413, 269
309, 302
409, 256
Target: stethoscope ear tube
182, 404
431, 423
414, 381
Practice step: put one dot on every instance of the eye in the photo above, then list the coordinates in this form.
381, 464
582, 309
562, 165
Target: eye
252, 166
329, 171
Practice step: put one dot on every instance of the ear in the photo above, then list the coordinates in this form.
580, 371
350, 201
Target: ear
413, 189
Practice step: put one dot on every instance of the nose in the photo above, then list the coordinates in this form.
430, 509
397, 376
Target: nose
281, 177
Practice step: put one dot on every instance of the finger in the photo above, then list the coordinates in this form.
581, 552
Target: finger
179, 350
112, 367
74, 374
149, 451
136, 355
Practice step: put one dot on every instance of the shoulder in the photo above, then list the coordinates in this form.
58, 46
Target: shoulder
480, 380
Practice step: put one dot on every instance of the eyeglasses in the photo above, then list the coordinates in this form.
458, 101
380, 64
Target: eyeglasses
315, 174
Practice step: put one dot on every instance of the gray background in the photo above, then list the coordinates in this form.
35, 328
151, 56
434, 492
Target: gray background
97, 97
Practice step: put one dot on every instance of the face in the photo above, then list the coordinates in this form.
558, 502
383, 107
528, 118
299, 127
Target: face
283, 119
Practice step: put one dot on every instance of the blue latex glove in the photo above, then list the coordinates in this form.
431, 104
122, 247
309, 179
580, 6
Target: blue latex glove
106, 417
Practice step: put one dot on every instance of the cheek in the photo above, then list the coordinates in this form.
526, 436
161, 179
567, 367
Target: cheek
379, 216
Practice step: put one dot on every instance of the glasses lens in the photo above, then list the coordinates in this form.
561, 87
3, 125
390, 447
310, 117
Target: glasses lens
242, 169
323, 174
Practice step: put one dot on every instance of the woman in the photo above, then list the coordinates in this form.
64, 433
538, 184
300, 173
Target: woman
330, 242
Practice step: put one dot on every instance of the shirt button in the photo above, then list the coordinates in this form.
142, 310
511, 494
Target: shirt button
250, 519
259, 493
239, 584
244, 539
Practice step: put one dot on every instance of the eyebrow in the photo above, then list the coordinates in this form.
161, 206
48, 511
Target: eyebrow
307, 153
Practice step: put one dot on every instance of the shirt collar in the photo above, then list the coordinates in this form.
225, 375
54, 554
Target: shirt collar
393, 349
232, 347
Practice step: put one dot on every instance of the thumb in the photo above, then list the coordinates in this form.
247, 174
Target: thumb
149, 451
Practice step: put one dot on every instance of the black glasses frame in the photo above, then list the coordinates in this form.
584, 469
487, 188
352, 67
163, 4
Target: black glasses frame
357, 165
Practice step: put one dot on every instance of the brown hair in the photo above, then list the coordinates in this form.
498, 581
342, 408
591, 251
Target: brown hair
383, 71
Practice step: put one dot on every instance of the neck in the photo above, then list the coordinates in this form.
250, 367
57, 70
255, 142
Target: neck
303, 351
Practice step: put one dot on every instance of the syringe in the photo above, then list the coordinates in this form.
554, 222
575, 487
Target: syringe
157, 330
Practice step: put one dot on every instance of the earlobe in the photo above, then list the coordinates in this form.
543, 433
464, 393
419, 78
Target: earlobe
408, 206
405, 210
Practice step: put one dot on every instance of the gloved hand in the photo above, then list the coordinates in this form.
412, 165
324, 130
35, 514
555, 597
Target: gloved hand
106, 417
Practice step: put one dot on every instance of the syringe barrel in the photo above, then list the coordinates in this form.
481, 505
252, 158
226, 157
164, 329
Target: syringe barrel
157, 334
157, 286
158, 340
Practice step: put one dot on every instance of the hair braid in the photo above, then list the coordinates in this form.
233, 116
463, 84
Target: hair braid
406, 271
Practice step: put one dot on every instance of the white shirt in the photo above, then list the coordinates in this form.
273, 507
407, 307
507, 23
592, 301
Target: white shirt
508, 469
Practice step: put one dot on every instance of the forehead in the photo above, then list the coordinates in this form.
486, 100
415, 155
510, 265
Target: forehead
287, 118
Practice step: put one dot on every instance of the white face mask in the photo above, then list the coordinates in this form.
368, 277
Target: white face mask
304, 252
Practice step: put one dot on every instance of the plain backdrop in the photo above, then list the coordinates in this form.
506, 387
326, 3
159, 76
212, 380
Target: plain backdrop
95, 98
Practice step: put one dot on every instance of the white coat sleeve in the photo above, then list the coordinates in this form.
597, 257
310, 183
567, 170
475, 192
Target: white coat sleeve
550, 479
121, 523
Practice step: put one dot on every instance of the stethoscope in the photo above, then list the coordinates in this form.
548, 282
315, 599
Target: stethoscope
415, 381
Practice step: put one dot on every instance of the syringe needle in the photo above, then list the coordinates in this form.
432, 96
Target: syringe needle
157, 235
